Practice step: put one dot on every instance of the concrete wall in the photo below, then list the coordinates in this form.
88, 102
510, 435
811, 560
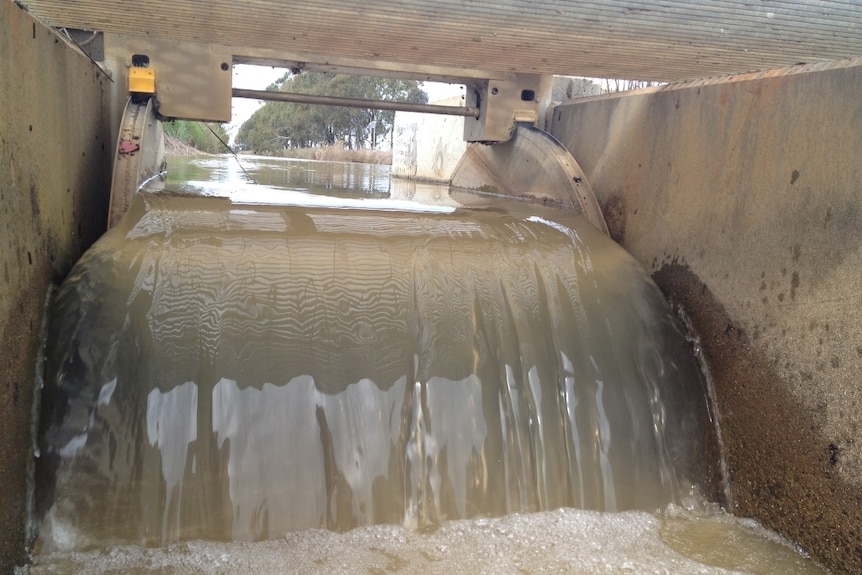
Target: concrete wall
55, 163
428, 146
743, 196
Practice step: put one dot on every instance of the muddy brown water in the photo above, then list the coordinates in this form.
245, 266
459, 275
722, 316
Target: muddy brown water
252, 378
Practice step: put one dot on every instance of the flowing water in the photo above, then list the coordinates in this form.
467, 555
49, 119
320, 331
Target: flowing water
255, 379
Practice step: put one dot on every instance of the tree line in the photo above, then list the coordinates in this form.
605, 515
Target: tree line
278, 125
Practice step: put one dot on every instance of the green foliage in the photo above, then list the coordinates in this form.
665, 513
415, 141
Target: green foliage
198, 135
278, 125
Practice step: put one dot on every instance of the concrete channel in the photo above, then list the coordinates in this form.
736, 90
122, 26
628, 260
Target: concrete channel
742, 196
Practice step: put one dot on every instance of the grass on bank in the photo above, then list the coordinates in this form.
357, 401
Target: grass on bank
200, 136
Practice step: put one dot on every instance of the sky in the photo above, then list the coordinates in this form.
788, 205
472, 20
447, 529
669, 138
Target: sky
259, 77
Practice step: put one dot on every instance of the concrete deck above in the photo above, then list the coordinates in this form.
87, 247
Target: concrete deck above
632, 39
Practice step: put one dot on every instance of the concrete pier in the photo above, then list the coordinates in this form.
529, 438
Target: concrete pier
743, 196
427, 147
55, 163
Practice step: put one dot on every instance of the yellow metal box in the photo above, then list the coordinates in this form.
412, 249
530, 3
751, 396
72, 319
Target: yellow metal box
142, 80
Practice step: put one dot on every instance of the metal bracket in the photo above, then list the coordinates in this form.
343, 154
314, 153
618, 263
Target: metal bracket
523, 98
194, 79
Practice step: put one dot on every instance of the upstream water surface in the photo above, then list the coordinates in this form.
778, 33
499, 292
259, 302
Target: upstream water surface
254, 379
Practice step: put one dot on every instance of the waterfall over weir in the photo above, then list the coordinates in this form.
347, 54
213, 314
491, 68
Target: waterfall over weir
232, 372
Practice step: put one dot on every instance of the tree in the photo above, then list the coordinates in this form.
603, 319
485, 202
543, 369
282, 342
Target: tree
611, 85
279, 125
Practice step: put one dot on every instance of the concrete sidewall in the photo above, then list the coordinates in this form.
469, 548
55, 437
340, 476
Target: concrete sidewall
55, 165
743, 196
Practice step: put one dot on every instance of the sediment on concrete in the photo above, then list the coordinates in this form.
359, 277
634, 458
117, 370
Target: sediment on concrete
55, 162
743, 196
778, 454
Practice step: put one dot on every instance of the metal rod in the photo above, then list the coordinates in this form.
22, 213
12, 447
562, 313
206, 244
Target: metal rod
355, 103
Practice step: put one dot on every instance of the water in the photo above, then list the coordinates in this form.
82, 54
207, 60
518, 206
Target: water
221, 175
373, 390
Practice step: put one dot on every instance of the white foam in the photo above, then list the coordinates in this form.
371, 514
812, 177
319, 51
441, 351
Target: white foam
562, 541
